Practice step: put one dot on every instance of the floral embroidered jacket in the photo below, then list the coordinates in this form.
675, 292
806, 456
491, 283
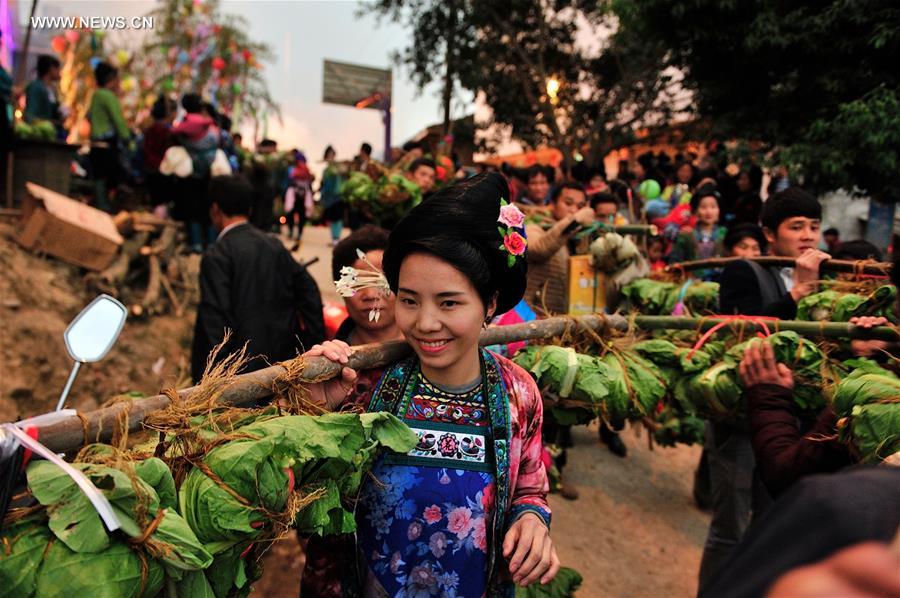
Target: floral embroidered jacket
516, 413
521, 478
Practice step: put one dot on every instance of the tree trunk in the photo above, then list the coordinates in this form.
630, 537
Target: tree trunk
448, 76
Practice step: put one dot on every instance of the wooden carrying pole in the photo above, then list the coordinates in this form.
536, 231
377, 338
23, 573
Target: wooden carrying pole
71, 432
853, 267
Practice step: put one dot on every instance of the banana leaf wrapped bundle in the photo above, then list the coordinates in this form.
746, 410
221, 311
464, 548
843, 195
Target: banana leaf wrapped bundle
564, 585
358, 187
672, 360
675, 426
575, 384
245, 486
635, 387
240, 484
715, 392
81, 556
813, 371
383, 195
650, 297
836, 306
34, 562
829, 306
657, 298
620, 385
867, 403
700, 297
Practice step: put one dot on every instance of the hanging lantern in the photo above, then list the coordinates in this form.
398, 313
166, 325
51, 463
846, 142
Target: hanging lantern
122, 57
71, 36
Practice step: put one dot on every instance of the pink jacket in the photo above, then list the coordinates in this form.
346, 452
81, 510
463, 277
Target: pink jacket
194, 127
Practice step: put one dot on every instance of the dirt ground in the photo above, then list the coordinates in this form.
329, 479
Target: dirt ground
633, 532
39, 296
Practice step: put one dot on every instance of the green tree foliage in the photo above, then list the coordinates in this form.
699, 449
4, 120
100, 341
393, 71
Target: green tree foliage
507, 51
818, 79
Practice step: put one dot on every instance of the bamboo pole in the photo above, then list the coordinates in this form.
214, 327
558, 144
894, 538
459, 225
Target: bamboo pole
69, 432
646, 230
853, 267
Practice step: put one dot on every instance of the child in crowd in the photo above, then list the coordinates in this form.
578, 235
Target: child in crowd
745, 240
606, 208
704, 239
656, 253
361, 327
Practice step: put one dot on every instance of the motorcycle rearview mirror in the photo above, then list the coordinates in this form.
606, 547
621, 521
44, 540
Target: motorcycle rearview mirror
91, 335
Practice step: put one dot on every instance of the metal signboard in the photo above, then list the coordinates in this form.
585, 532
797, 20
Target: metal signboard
355, 85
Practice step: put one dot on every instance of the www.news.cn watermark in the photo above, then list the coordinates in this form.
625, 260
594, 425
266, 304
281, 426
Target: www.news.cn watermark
115, 23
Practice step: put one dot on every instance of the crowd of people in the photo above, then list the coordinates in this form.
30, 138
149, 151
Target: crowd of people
440, 300
466, 513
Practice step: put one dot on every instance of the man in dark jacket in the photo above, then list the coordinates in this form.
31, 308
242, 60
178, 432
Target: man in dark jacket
791, 222
250, 285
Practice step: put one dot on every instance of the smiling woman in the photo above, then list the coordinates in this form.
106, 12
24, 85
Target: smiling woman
464, 512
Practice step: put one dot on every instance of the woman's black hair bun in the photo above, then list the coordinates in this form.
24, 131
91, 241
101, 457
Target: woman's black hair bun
460, 224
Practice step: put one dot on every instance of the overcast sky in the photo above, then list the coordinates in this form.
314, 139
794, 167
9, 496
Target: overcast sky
302, 34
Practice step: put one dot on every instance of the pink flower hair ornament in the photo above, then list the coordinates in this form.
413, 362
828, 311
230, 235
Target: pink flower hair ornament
512, 233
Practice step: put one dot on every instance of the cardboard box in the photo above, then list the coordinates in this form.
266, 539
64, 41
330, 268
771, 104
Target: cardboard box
587, 293
67, 229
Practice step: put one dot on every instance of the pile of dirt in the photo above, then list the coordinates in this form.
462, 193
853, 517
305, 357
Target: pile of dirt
39, 296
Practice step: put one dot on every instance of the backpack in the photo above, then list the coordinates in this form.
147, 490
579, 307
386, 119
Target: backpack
771, 286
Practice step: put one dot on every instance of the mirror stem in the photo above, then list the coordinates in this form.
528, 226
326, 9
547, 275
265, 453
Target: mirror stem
69, 382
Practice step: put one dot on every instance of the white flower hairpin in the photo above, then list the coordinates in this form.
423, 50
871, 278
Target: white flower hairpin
353, 280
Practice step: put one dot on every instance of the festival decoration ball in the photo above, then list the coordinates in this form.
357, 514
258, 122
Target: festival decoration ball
168, 85
649, 189
122, 57
236, 88
247, 55
218, 63
94, 61
58, 44
72, 36
128, 84
183, 56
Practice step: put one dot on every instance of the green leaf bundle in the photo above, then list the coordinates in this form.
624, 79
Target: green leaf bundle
564, 585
